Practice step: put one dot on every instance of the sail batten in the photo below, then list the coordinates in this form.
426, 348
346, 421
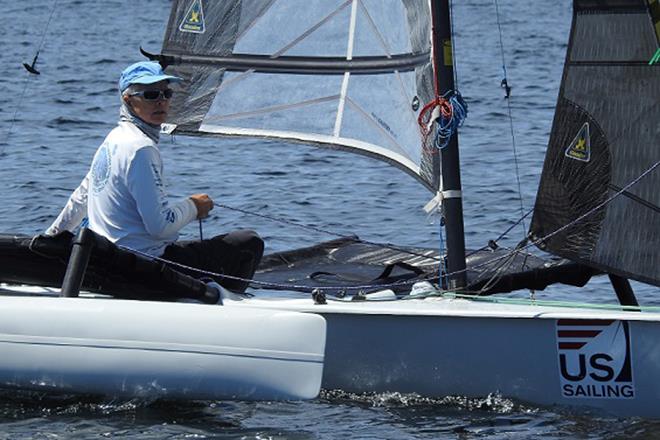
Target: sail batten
354, 73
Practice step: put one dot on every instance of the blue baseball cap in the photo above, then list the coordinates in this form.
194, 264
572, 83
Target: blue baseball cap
144, 72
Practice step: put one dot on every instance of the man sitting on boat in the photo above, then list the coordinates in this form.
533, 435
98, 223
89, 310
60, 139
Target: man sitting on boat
123, 194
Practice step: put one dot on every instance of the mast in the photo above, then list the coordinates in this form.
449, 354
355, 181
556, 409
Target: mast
451, 174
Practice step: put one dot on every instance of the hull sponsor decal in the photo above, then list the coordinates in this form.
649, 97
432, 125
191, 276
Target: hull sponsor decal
594, 359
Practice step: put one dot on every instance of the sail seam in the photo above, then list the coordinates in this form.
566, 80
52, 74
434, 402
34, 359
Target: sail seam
344, 83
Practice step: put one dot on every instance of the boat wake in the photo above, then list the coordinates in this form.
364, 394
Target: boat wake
492, 403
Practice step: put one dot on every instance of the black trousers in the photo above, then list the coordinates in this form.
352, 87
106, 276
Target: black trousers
237, 254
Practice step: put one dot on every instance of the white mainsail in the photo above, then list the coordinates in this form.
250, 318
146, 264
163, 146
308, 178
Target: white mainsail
350, 74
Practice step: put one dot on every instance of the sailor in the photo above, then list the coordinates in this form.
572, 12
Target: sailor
123, 195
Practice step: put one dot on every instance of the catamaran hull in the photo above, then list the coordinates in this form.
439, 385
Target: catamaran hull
609, 361
159, 350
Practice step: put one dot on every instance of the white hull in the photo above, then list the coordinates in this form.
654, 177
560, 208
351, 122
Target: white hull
434, 347
440, 347
151, 350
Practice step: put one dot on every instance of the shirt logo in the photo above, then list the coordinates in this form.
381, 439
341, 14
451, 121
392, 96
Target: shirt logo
193, 21
101, 168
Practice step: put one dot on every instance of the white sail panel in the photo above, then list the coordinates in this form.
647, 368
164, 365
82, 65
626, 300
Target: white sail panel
348, 74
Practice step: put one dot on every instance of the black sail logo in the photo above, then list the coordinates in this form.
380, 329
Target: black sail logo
580, 147
193, 21
594, 359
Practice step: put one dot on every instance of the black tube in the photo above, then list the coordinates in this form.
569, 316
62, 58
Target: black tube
78, 261
301, 65
451, 174
623, 291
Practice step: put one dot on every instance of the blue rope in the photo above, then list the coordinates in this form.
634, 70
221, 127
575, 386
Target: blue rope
446, 126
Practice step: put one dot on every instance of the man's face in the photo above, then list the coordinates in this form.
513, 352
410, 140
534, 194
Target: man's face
152, 111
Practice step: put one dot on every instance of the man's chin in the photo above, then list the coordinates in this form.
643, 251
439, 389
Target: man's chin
157, 120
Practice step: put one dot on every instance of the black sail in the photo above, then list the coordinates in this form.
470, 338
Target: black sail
601, 174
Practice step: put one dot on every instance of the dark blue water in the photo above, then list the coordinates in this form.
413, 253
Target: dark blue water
51, 125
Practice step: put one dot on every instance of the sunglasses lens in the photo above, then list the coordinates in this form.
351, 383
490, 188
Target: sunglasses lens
152, 95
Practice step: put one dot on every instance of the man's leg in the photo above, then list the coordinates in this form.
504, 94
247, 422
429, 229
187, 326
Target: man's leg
237, 254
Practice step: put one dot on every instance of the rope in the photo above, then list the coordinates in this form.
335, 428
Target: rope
547, 303
31, 70
568, 225
325, 231
505, 85
504, 258
463, 292
503, 234
452, 115
281, 286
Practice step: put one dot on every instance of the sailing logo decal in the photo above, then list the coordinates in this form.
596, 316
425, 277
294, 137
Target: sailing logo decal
193, 21
580, 148
594, 359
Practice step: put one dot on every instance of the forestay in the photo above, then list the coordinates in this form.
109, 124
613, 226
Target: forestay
601, 172
349, 74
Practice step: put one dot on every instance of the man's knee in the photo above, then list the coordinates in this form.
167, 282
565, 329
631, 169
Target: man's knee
246, 239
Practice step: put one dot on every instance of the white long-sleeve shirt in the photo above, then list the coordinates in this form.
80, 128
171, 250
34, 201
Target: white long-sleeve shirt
123, 195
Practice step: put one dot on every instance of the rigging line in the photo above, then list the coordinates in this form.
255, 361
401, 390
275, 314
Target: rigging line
503, 234
13, 119
325, 231
43, 36
503, 259
27, 80
269, 283
399, 283
520, 249
505, 85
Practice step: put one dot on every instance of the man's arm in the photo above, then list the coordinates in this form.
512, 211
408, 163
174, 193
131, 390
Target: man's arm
74, 211
145, 184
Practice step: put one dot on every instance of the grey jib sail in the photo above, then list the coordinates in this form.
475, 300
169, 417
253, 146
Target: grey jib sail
350, 74
605, 135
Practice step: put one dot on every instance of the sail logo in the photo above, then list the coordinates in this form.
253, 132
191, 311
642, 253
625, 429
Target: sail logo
655, 59
580, 147
193, 21
594, 359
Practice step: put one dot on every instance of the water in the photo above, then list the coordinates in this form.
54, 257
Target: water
49, 134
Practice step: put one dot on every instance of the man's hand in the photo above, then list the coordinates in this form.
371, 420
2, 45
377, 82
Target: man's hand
203, 203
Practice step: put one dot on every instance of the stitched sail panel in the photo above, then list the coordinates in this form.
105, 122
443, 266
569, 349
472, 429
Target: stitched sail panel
350, 74
605, 135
